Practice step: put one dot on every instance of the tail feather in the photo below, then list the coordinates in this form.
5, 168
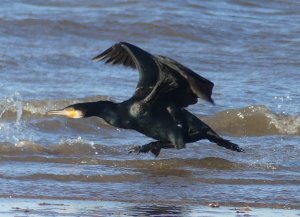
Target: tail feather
213, 137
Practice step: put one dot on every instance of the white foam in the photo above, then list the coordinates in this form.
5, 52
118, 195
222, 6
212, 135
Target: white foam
288, 125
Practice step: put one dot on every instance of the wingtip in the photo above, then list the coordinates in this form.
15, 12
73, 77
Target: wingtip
97, 58
103, 55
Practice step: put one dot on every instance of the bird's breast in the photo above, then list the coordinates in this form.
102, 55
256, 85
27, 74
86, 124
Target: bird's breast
137, 109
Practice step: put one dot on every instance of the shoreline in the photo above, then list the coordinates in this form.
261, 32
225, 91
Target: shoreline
174, 202
85, 207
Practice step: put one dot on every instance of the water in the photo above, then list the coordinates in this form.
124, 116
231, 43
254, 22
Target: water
249, 49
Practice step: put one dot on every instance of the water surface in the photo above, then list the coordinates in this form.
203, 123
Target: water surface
249, 49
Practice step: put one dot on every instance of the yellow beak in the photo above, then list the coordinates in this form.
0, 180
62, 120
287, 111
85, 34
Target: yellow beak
70, 113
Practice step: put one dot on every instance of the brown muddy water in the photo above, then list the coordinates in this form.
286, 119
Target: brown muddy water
249, 49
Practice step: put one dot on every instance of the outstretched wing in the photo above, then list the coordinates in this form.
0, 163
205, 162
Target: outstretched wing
132, 56
197, 84
160, 78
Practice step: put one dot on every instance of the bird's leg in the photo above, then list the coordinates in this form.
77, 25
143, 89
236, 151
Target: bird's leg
154, 147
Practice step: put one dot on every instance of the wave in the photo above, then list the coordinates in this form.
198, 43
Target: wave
137, 178
25, 27
87, 153
89, 29
80, 151
256, 120
66, 147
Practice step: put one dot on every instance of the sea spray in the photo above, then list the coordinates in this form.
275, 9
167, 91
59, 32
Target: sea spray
14, 103
12, 130
19, 108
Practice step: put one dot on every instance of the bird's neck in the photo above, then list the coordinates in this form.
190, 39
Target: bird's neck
112, 113
106, 110
116, 114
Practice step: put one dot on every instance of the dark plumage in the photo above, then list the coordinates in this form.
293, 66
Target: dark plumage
159, 76
156, 109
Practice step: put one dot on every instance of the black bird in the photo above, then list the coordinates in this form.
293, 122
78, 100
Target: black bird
156, 109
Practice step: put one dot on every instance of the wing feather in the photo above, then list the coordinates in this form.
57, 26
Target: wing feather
199, 85
185, 85
129, 55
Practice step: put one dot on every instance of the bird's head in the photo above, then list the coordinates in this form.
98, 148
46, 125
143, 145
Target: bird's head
72, 111
83, 110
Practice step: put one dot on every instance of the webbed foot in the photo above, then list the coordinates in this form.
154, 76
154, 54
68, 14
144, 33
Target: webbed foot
154, 147
145, 149
135, 149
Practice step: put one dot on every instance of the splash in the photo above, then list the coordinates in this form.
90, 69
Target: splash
11, 128
12, 103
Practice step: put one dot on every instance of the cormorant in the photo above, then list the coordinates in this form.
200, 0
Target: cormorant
156, 108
